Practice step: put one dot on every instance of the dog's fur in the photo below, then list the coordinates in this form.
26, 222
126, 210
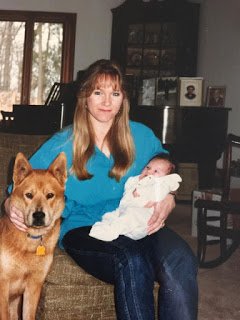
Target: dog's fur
39, 194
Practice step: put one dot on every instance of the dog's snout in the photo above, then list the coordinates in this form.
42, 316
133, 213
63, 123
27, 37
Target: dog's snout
38, 218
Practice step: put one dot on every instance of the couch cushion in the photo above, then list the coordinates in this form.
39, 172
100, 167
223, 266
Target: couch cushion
65, 271
71, 293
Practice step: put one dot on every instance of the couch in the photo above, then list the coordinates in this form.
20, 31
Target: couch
69, 293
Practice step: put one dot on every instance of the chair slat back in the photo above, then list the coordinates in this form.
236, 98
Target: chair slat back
232, 146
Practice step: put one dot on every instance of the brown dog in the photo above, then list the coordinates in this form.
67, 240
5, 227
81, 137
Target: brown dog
25, 258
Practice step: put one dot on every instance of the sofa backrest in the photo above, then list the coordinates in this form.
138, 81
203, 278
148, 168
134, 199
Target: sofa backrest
10, 145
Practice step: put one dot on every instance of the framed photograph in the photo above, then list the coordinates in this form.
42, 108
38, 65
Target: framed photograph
166, 91
135, 34
147, 92
169, 34
134, 57
152, 34
216, 96
150, 57
190, 91
168, 58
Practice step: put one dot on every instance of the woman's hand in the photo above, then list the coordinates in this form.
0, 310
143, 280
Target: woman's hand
161, 211
15, 215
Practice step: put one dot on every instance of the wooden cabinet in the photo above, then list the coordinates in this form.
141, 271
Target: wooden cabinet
156, 38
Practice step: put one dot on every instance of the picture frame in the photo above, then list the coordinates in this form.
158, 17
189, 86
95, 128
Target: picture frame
190, 91
215, 96
147, 94
135, 34
134, 57
168, 58
150, 57
166, 91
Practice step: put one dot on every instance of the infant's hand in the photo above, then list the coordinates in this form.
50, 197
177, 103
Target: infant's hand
135, 193
15, 215
162, 210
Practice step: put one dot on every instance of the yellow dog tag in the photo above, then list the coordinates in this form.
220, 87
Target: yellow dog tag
41, 250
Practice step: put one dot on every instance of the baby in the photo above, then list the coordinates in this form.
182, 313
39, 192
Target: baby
132, 216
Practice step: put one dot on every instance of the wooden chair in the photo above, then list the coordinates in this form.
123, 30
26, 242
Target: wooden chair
225, 236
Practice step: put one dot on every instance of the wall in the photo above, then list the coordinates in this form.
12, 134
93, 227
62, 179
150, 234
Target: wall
219, 52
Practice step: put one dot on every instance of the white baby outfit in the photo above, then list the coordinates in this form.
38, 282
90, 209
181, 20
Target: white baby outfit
131, 217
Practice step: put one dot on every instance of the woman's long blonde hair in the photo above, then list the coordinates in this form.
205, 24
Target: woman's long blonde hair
119, 138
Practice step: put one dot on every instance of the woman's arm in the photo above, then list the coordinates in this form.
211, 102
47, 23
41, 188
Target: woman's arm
162, 209
15, 215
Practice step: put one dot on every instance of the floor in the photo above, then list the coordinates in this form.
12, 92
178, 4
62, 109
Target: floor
219, 288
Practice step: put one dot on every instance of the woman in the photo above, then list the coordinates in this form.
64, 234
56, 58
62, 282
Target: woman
103, 150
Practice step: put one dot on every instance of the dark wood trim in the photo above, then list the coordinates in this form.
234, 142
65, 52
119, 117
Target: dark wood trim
68, 49
27, 62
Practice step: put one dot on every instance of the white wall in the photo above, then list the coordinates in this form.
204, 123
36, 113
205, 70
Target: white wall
219, 44
219, 52
94, 21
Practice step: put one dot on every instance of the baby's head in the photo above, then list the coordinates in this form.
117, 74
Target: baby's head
158, 166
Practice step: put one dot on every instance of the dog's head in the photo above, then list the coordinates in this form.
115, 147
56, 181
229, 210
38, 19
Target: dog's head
39, 194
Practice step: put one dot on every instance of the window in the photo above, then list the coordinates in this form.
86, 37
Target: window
37, 49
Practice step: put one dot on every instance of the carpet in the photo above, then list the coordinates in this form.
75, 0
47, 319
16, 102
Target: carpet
219, 288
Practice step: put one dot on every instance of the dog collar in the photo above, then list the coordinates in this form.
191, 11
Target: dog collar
41, 250
34, 237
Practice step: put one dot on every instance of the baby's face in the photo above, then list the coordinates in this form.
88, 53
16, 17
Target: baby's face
157, 168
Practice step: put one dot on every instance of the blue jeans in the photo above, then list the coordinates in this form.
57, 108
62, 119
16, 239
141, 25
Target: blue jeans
133, 266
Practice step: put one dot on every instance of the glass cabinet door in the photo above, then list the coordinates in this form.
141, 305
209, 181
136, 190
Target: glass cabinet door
156, 38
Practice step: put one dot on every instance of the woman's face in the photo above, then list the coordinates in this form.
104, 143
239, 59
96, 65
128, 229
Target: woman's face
104, 102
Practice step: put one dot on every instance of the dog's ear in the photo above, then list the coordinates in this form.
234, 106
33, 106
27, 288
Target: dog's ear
59, 168
21, 169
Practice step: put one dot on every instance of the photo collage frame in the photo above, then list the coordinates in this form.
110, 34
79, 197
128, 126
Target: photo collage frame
180, 91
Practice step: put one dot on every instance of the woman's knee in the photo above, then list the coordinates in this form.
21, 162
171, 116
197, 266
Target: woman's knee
181, 263
172, 255
187, 259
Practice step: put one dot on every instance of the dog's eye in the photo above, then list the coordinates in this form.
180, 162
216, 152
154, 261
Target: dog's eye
50, 195
29, 195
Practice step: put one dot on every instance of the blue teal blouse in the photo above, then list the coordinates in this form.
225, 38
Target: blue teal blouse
88, 200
